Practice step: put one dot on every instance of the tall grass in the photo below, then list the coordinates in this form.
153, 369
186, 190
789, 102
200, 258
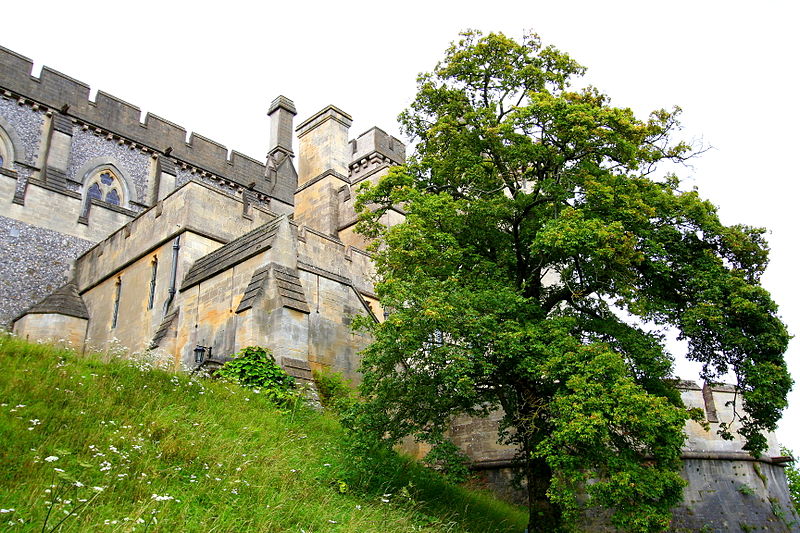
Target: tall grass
88, 444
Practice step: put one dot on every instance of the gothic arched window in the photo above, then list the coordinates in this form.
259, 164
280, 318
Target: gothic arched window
106, 186
5, 150
11, 148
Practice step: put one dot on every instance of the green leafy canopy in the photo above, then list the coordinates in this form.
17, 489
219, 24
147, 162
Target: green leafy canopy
538, 234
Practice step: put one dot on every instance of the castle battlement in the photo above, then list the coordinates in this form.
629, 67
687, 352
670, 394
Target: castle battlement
55, 90
374, 148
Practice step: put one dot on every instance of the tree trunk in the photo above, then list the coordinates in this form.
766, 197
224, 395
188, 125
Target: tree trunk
543, 516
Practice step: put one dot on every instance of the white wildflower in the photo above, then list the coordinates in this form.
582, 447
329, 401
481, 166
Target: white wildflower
51, 458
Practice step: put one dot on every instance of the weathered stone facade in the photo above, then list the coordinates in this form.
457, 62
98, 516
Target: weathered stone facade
143, 239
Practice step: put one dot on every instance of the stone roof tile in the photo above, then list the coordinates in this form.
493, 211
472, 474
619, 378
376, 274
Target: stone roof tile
63, 301
163, 328
233, 253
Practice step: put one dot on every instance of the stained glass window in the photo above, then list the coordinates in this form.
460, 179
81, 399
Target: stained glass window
112, 197
105, 186
1, 160
94, 192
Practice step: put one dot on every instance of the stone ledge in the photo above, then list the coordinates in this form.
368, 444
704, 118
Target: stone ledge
330, 112
320, 177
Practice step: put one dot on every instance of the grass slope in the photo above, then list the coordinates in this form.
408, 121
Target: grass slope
88, 445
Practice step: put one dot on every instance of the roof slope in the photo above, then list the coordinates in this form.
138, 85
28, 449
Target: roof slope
63, 301
236, 251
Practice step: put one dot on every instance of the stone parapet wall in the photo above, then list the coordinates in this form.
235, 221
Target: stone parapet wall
374, 148
55, 90
721, 404
194, 206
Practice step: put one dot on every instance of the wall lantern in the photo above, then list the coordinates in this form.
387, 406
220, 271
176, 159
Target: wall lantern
200, 353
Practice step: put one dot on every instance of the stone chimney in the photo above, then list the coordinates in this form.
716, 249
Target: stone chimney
281, 115
323, 169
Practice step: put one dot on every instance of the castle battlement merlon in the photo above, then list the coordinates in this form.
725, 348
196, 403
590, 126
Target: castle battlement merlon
373, 151
57, 91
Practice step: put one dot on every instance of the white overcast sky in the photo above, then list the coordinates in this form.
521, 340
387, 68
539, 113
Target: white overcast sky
214, 68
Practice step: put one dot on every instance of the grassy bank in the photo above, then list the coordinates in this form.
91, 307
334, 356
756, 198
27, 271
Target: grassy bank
94, 445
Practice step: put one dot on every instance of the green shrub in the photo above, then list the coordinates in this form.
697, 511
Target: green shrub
335, 392
255, 368
447, 459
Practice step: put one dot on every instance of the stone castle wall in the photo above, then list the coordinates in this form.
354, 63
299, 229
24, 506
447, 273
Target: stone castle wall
58, 137
34, 261
123, 120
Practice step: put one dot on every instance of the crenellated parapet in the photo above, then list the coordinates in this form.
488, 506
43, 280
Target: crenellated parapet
373, 151
110, 115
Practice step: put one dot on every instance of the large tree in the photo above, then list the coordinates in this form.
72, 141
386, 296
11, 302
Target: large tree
542, 250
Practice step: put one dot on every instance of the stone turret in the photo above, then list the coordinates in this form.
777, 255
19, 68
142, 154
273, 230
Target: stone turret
281, 115
280, 172
322, 169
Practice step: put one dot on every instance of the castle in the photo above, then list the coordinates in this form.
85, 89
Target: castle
117, 230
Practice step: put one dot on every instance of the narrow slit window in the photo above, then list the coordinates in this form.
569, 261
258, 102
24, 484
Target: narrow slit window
153, 273
117, 291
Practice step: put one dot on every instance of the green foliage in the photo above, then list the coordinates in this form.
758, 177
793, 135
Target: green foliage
142, 449
335, 392
255, 368
541, 257
793, 477
448, 459
747, 490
